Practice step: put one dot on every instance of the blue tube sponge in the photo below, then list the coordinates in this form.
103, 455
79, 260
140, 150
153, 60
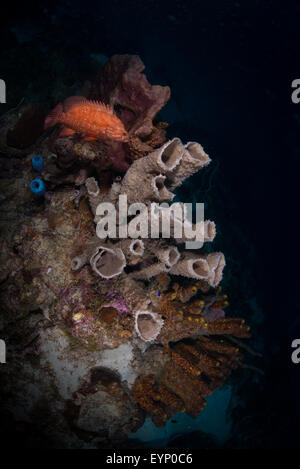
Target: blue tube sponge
38, 163
37, 186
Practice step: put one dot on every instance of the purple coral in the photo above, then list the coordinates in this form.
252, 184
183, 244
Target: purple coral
116, 300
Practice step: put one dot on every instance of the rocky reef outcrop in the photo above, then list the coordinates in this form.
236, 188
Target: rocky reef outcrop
102, 333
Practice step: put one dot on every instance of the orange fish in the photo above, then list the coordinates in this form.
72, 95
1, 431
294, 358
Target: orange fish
93, 119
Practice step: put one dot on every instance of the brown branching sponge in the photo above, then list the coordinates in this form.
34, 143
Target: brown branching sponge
201, 362
188, 312
194, 371
156, 400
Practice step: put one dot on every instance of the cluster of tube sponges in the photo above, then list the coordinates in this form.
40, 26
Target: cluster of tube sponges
151, 178
194, 371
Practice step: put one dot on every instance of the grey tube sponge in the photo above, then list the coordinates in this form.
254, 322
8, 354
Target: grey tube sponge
132, 248
163, 160
92, 247
158, 214
111, 197
167, 254
145, 179
192, 265
216, 262
160, 161
94, 195
209, 232
151, 271
148, 325
208, 267
152, 179
114, 192
144, 187
193, 159
160, 192
108, 261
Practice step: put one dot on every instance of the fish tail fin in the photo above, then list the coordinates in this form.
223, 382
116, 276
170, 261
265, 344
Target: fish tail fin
53, 116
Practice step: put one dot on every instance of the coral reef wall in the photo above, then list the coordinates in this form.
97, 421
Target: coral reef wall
110, 330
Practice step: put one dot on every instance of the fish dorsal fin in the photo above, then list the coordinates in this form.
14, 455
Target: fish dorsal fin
73, 101
77, 100
99, 104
